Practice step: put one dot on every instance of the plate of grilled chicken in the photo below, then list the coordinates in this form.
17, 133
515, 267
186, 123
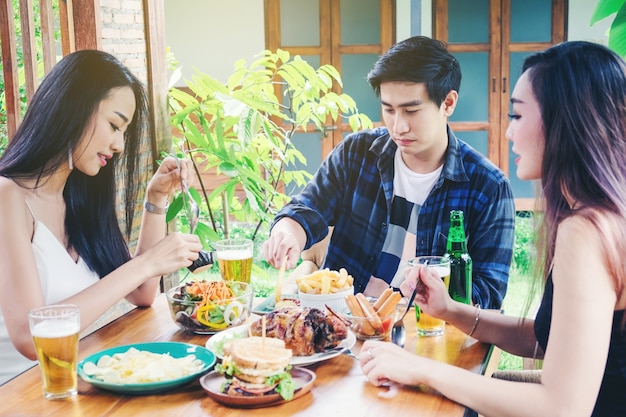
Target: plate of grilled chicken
313, 335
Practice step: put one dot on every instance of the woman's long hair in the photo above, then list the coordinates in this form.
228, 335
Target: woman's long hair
57, 118
581, 89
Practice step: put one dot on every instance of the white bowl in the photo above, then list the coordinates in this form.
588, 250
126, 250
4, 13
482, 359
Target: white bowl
336, 301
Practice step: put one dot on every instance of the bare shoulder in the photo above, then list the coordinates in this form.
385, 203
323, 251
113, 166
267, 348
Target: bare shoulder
13, 209
10, 193
8, 185
588, 225
579, 240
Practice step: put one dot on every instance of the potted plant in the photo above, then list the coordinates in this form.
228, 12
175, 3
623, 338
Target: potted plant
241, 131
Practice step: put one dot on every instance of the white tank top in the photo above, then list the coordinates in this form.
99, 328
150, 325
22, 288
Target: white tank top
60, 278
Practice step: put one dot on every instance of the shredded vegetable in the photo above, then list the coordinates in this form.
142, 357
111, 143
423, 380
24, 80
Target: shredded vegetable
210, 290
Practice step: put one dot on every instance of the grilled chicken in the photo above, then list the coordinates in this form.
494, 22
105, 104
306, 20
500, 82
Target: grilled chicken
305, 330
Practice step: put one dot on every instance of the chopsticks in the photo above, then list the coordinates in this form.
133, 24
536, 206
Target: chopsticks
279, 280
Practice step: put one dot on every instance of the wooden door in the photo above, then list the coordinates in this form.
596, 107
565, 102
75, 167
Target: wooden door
348, 34
491, 38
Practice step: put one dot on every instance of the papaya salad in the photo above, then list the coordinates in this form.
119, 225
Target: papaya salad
210, 306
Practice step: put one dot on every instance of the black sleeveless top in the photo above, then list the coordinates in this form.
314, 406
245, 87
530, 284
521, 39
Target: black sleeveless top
612, 396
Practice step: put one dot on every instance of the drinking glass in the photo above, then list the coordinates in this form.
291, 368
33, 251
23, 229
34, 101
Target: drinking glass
426, 324
55, 330
234, 257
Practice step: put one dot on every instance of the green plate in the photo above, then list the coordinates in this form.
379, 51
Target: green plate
174, 349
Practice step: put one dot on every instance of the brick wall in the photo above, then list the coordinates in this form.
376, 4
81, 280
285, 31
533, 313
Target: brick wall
123, 33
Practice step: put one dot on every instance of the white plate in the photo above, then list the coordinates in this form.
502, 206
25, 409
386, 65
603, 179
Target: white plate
215, 343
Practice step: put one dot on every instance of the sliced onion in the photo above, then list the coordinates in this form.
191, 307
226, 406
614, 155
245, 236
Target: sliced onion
234, 309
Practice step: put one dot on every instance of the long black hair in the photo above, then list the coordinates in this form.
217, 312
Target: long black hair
56, 120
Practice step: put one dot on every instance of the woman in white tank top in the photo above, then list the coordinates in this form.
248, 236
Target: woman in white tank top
60, 239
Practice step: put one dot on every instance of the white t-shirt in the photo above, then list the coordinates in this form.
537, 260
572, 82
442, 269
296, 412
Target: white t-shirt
410, 190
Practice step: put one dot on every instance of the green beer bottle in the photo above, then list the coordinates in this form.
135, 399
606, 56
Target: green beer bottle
460, 261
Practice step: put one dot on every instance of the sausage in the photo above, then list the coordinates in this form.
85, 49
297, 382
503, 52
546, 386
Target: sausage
353, 305
383, 297
389, 304
355, 308
369, 312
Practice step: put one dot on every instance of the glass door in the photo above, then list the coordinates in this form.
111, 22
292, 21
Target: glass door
490, 39
347, 34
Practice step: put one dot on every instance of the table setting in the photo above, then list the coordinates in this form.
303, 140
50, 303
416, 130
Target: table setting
326, 382
210, 348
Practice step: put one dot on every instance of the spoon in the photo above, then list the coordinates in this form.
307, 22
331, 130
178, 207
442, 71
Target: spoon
398, 332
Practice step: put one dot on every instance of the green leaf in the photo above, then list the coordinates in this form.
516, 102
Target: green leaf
175, 206
605, 8
617, 33
283, 55
228, 169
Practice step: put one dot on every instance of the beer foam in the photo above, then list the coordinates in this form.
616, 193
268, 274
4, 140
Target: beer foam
234, 255
55, 328
442, 271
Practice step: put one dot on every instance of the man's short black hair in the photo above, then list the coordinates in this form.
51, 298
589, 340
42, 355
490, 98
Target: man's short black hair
420, 60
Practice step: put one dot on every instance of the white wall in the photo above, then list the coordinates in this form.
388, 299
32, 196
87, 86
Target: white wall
211, 35
578, 18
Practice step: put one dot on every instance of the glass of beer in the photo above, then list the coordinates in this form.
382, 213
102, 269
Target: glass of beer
234, 257
55, 333
426, 324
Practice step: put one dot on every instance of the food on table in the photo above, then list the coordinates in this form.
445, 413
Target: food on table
287, 302
372, 321
325, 281
138, 366
210, 306
304, 330
257, 366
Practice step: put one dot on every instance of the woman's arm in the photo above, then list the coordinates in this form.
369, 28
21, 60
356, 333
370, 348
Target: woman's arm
165, 181
489, 326
574, 362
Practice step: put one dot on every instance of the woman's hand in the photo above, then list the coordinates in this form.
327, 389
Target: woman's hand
167, 179
174, 252
382, 362
432, 294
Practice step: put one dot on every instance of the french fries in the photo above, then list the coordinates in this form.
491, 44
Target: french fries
325, 281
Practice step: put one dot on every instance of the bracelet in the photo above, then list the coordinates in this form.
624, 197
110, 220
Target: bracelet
475, 320
151, 208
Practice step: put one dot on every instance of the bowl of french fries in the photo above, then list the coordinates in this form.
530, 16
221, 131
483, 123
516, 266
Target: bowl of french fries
325, 288
373, 319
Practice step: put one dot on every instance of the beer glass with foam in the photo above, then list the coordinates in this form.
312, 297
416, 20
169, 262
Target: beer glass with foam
426, 324
55, 331
234, 257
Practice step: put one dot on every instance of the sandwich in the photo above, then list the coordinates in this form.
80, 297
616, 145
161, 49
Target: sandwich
256, 366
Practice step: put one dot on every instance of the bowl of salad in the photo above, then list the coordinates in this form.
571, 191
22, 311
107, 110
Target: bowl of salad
207, 307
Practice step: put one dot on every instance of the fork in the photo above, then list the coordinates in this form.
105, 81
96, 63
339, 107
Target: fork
343, 351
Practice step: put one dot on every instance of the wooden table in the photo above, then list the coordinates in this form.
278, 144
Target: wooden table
340, 387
